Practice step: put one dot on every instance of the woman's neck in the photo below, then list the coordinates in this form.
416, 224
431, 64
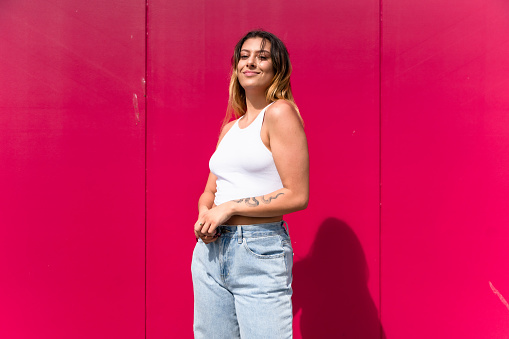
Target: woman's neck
255, 103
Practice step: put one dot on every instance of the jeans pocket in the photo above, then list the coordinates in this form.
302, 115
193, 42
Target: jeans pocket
265, 247
287, 245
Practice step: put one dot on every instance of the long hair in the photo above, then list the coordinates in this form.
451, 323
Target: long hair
280, 87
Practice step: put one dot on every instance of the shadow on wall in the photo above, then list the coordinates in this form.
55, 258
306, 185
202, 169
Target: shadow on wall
330, 286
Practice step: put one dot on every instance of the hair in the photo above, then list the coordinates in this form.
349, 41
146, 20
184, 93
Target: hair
279, 88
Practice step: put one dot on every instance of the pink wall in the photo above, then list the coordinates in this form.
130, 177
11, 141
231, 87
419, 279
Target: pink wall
97, 207
445, 166
72, 150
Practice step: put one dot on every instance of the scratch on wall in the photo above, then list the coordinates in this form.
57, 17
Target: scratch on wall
502, 299
136, 109
144, 85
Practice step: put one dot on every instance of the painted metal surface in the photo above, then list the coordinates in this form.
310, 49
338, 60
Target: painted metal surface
72, 163
72, 169
445, 165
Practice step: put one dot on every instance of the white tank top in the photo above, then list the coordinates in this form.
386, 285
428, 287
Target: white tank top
244, 166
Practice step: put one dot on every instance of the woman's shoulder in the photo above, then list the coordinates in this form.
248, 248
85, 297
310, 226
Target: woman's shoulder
282, 111
282, 104
225, 129
228, 126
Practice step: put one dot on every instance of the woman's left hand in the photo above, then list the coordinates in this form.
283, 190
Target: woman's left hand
213, 218
205, 238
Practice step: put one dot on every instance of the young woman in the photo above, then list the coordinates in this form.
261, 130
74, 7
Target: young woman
242, 262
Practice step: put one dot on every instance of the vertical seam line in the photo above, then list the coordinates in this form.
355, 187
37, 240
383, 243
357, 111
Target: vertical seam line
146, 149
380, 50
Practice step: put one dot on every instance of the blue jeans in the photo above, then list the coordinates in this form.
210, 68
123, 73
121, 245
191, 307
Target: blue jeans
243, 283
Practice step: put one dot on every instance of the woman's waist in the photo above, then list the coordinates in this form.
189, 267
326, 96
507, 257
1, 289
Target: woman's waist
253, 230
238, 220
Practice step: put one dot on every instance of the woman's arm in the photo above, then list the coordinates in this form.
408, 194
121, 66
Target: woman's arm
290, 152
206, 200
205, 203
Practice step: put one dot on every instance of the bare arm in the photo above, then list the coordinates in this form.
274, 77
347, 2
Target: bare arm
206, 200
289, 149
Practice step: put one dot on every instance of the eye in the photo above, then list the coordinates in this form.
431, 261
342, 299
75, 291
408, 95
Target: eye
263, 56
243, 57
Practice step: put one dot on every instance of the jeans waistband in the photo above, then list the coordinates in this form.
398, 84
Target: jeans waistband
252, 231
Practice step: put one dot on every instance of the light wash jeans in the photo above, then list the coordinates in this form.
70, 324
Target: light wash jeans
243, 283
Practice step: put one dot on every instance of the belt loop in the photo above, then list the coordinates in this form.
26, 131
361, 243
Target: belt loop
240, 234
285, 225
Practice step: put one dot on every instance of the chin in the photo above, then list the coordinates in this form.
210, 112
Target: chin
249, 85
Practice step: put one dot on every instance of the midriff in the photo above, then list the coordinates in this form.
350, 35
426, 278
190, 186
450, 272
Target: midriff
242, 220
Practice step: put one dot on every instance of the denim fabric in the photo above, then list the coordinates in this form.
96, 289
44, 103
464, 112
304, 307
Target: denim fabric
242, 283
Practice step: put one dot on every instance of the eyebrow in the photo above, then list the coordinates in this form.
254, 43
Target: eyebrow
258, 51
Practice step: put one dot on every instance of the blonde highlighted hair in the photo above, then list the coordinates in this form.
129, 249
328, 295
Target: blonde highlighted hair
280, 87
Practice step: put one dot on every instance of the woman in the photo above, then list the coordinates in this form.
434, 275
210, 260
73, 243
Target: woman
260, 171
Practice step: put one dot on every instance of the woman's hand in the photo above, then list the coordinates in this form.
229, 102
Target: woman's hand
208, 221
205, 238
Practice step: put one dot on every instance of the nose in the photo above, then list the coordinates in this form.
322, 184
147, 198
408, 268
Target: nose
251, 60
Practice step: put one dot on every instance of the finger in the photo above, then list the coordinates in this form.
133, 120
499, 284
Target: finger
198, 225
205, 228
209, 240
211, 231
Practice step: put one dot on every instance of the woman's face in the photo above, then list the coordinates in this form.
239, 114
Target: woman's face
255, 70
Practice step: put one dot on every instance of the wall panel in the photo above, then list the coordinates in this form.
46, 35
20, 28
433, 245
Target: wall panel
72, 169
445, 159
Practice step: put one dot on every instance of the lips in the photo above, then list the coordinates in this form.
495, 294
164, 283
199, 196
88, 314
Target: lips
250, 73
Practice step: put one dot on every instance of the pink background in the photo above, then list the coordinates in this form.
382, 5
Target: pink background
110, 111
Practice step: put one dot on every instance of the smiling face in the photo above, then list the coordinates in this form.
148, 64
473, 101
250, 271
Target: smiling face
255, 70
